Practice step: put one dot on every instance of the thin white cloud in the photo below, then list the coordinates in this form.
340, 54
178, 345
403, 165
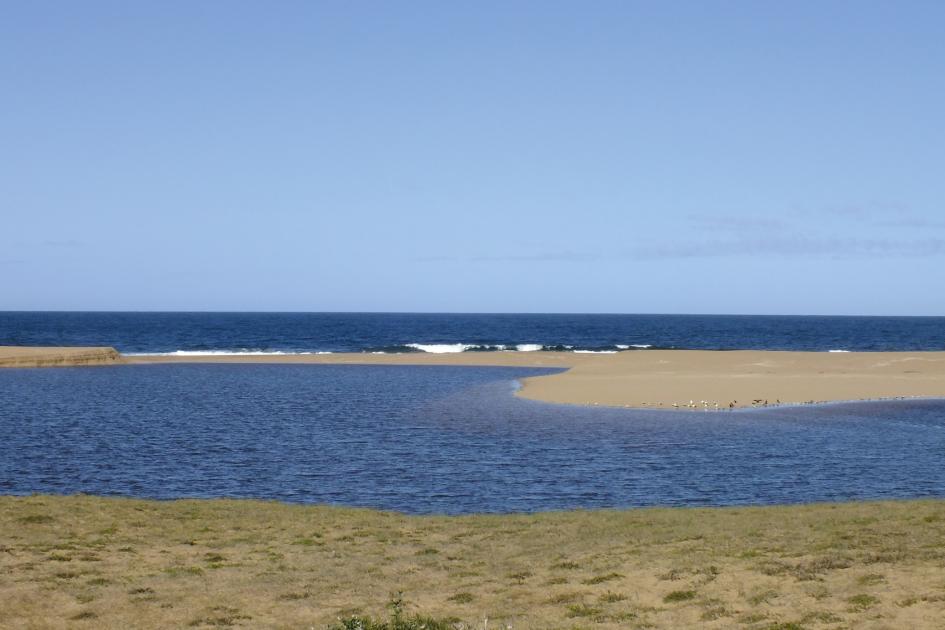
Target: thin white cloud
794, 245
563, 256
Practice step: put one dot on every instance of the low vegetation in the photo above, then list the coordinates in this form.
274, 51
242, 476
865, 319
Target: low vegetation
89, 562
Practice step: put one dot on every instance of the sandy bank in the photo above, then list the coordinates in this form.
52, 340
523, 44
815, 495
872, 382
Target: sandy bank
25, 356
662, 378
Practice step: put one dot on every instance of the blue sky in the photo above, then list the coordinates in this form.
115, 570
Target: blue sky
686, 157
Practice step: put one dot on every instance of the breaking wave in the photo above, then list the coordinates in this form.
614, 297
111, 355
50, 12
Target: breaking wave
450, 348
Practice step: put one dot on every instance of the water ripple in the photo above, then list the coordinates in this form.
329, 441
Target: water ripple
438, 439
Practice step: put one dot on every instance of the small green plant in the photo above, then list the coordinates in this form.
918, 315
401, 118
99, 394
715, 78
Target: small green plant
762, 598
600, 579
862, 601
821, 616
751, 618
520, 577
36, 519
222, 616
716, 612
679, 596
871, 579
289, 597
610, 597
582, 610
397, 620
85, 614
183, 571
564, 598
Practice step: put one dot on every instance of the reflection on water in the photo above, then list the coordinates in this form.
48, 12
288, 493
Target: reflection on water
438, 439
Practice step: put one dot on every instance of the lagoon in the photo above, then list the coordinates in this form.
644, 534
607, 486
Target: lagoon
455, 440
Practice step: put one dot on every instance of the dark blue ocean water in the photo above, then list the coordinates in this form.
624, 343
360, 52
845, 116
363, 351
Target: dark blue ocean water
438, 439
393, 332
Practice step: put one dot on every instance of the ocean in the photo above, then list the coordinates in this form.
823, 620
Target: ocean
195, 333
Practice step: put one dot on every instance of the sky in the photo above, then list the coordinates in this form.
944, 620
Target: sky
619, 157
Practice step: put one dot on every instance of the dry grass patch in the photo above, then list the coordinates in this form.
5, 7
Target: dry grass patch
88, 562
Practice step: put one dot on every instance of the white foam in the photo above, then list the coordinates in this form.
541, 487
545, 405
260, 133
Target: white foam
441, 348
595, 352
529, 347
837, 350
642, 346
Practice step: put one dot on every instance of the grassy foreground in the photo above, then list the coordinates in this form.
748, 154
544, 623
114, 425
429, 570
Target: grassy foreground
117, 563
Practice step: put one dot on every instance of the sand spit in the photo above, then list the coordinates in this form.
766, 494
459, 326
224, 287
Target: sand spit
698, 380
704, 380
24, 356
667, 379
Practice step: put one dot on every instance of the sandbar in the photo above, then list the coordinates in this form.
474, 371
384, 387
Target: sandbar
690, 379
653, 379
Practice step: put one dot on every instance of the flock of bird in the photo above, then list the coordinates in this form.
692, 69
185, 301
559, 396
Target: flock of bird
707, 405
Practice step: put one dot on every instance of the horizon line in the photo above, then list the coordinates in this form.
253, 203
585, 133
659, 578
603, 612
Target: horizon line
346, 312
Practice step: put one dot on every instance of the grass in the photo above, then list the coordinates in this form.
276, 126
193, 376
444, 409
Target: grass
89, 562
679, 596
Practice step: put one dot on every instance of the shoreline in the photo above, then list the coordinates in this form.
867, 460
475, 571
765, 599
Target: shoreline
646, 379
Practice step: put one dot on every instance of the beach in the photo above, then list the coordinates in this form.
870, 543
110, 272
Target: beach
667, 379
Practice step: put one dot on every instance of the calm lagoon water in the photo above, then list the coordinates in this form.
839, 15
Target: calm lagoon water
438, 439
